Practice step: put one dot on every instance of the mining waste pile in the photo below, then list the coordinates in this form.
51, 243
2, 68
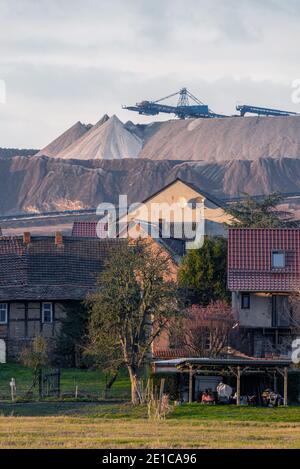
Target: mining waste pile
88, 164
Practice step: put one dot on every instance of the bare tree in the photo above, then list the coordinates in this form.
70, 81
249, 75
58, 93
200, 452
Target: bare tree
135, 299
207, 329
35, 356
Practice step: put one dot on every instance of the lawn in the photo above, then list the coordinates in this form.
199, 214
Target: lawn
116, 424
90, 383
86, 425
237, 413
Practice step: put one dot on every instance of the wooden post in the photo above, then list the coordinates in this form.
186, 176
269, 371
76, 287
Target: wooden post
275, 383
161, 393
285, 386
238, 386
40, 378
191, 385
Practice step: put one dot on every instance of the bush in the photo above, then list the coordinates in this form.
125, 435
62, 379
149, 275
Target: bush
171, 384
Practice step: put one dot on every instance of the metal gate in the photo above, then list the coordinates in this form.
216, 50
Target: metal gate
50, 384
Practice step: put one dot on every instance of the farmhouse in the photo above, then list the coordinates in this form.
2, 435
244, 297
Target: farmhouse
39, 276
264, 277
173, 216
177, 211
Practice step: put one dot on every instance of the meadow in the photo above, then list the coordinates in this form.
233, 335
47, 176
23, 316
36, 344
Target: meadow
114, 423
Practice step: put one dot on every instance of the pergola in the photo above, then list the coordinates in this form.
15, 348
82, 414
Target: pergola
228, 367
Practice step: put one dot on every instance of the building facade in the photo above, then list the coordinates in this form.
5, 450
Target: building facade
176, 212
39, 277
264, 278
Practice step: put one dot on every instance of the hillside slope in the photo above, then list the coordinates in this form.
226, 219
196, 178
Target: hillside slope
42, 184
65, 139
232, 138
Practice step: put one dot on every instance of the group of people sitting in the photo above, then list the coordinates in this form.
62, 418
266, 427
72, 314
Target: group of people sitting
271, 398
224, 395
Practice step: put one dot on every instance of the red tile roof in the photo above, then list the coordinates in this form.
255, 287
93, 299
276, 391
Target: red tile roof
250, 259
171, 353
184, 352
88, 229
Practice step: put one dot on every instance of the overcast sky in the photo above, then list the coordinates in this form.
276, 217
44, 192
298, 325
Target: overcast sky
69, 60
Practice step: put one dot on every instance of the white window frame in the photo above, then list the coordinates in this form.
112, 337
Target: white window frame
5, 305
278, 253
43, 312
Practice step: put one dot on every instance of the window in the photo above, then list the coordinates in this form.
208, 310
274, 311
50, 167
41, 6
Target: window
3, 313
281, 314
161, 227
47, 312
245, 301
206, 340
278, 259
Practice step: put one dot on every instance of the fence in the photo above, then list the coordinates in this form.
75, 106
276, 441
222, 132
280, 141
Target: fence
68, 384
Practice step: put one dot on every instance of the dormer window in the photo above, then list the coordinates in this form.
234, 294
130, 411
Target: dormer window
278, 259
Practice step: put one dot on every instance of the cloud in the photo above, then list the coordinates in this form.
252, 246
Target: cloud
66, 60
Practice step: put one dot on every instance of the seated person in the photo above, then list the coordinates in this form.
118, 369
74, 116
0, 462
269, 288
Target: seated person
208, 397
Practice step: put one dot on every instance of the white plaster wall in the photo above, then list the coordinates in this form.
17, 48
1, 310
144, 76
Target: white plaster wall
2, 351
215, 216
260, 312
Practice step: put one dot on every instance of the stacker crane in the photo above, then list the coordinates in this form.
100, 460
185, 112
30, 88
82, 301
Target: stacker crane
183, 109
263, 111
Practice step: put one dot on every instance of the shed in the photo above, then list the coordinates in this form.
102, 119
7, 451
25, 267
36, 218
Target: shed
220, 367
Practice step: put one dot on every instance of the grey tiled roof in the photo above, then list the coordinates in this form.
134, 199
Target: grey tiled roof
42, 270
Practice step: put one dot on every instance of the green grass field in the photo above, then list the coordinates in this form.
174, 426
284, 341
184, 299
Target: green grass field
96, 425
116, 424
91, 383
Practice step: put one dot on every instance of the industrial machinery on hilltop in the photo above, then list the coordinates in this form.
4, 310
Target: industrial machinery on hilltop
183, 109
194, 109
263, 111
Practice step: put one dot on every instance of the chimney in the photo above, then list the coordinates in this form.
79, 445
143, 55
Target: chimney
26, 237
58, 239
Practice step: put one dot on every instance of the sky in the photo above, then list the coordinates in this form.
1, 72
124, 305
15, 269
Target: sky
67, 60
